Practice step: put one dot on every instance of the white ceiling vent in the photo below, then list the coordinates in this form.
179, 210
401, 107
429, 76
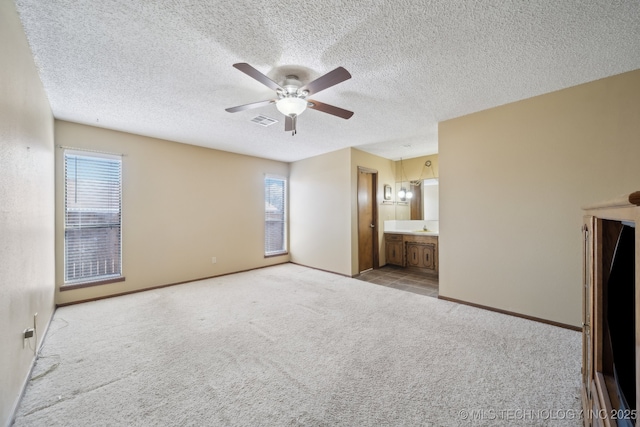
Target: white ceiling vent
264, 120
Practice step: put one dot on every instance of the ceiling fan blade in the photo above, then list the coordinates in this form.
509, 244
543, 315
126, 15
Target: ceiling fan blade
250, 106
330, 109
332, 78
252, 72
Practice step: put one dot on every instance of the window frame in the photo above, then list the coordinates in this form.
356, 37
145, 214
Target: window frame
96, 279
285, 217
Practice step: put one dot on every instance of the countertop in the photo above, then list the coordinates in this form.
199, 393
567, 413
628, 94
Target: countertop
414, 232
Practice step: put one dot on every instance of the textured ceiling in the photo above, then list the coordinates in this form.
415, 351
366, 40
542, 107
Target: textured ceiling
164, 68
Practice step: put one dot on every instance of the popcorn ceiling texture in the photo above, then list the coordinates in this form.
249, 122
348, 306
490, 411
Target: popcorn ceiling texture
163, 69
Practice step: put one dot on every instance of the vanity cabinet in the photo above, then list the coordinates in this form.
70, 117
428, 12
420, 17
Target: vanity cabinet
413, 251
420, 255
611, 319
394, 249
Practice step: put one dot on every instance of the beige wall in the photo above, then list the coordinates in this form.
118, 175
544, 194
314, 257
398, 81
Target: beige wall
512, 183
182, 205
26, 209
320, 212
415, 168
324, 206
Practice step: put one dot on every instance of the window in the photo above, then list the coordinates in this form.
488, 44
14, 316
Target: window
275, 215
92, 220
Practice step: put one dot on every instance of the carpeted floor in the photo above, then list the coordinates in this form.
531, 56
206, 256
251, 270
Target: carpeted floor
292, 346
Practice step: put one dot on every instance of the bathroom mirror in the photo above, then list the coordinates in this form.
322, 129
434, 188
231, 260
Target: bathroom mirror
430, 200
423, 205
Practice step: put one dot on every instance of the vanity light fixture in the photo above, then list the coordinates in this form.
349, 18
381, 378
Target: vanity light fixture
404, 194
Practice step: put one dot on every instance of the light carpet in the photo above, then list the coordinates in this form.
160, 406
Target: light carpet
292, 346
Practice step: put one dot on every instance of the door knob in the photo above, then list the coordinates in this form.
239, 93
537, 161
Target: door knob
372, 226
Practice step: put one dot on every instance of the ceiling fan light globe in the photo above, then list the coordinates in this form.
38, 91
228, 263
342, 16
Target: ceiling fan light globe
291, 106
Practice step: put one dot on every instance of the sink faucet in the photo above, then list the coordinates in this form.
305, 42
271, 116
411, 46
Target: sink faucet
425, 228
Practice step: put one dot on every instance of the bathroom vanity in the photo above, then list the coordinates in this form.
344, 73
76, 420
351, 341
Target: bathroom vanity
412, 249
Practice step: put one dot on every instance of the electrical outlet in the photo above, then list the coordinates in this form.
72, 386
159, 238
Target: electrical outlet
213, 260
28, 333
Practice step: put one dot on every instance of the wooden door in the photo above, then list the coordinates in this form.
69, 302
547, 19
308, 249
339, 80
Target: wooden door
367, 221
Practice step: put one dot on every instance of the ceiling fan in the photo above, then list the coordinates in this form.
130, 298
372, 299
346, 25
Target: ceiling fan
292, 94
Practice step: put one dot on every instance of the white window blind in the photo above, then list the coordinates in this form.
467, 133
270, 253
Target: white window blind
92, 236
275, 215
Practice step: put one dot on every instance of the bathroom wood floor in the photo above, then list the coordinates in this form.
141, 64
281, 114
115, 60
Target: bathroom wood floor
402, 278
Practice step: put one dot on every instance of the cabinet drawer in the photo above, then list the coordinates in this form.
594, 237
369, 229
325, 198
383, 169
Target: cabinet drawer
393, 237
427, 240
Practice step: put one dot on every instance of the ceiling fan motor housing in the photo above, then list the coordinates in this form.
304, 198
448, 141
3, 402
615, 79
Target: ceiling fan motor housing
291, 102
291, 84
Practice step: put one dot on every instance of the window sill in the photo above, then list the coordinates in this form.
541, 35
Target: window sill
72, 286
277, 254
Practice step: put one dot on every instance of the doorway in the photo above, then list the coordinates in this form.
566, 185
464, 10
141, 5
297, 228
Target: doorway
367, 219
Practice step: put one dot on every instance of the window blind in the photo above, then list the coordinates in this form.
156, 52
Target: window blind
275, 215
93, 193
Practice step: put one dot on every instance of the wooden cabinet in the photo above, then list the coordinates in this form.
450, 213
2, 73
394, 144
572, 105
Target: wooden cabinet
394, 249
611, 319
420, 255
415, 251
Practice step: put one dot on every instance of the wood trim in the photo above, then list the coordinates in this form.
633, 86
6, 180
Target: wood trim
376, 221
634, 198
162, 286
589, 253
607, 219
512, 313
603, 399
631, 199
586, 403
374, 214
